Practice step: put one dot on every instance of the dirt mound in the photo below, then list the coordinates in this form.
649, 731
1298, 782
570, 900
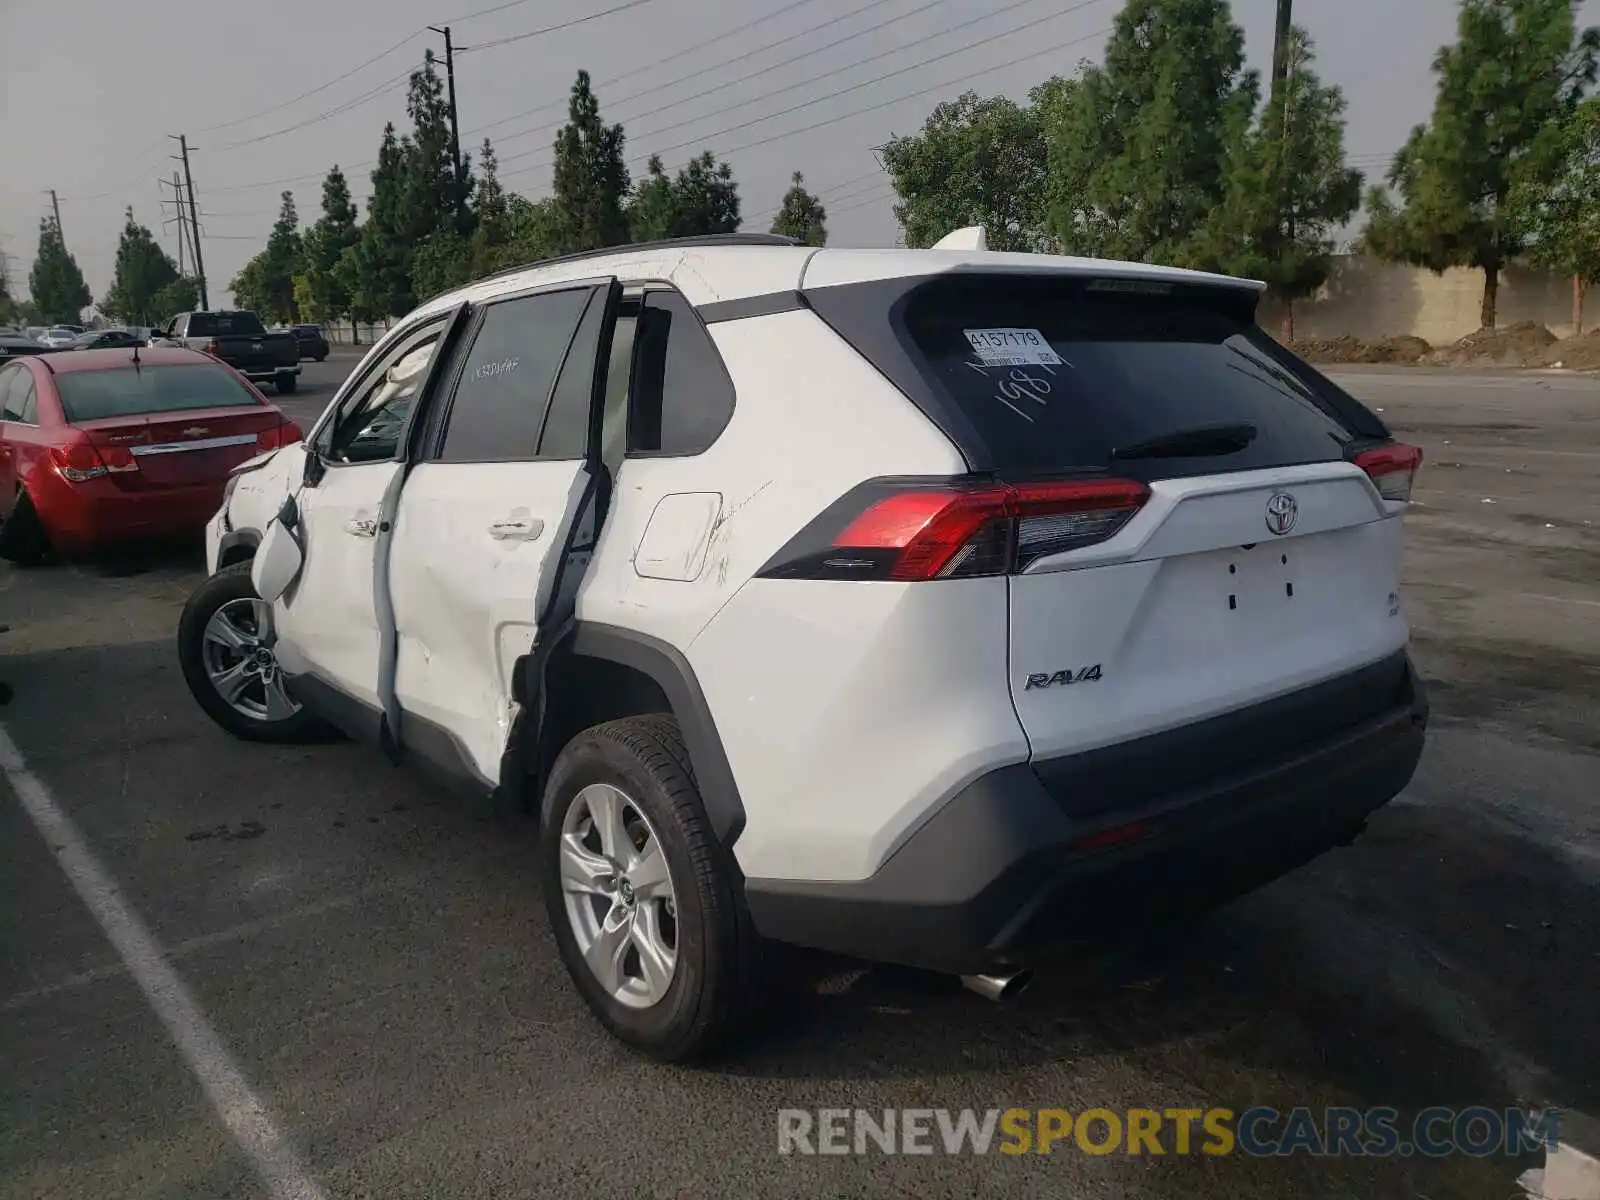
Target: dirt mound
1349, 349
1581, 353
1525, 344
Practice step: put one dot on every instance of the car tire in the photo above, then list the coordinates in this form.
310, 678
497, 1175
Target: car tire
23, 538
228, 595
719, 963
323, 357
287, 383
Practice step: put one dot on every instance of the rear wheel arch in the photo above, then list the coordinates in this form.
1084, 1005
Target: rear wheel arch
597, 673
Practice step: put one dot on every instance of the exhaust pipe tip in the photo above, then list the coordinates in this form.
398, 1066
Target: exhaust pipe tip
998, 988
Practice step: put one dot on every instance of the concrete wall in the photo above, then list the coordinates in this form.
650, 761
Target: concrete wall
1367, 298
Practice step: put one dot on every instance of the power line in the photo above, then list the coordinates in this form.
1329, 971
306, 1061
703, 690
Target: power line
963, 49
533, 33
314, 91
366, 97
831, 194
778, 137
661, 62
762, 71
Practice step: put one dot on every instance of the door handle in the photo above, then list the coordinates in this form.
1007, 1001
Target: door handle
517, 529
363, 527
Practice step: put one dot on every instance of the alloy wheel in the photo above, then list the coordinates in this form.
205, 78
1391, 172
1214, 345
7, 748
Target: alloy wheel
236, 649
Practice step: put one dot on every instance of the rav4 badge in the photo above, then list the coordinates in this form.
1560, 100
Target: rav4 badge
1045, 679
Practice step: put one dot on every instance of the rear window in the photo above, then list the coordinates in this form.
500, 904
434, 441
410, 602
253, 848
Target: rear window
95, 395
1038, 374
244, 324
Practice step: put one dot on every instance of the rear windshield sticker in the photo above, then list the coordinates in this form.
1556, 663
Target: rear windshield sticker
1011, 348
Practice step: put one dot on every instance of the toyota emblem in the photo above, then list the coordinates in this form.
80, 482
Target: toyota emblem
1282, 512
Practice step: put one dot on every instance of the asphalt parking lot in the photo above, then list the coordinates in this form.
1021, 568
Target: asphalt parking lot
372, 958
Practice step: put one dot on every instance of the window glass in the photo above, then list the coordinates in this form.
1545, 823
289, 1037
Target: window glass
215, 324
682, 396
368, 424
503, 391
123, 391
15, 385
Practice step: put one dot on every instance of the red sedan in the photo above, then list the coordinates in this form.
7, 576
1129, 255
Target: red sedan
101, 447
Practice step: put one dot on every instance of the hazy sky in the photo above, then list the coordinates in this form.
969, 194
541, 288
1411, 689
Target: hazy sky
92, 88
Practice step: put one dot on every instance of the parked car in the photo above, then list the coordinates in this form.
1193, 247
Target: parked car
105, 339
938, 607
313, 342
239, 339
59, 337
14, 344
99, 447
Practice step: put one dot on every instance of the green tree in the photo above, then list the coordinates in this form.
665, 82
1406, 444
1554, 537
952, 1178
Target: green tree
801, 215
1505, 91
55, 282
443, 261
180, 295
10, 310
591, 180
143, 269
976, 162
533, 231
491, 229
375, 271
1136, 160
1289, 189
1562, 217
434, 199
703, 198
250, 287
324, 295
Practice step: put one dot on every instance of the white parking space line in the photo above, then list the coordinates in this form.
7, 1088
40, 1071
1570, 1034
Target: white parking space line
245, 1117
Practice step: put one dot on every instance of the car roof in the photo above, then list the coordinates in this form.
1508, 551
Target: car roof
122, 356
738, 267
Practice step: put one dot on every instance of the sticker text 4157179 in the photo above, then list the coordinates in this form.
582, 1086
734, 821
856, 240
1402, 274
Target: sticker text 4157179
1011, 348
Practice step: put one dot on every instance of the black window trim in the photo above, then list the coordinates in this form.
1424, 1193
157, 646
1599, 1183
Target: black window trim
449, 322
431, 434
646, 287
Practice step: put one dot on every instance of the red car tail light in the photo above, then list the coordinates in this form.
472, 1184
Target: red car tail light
1393, 469
80, 461
906, 531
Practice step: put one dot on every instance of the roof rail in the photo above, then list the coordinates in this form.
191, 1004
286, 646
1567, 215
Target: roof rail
704, 239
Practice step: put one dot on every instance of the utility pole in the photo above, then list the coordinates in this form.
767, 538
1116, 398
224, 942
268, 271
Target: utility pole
194, 216
55, 206
1280, 93
455, 127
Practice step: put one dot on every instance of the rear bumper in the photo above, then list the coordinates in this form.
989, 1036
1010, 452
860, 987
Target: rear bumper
257, 374
1001, 878
78, 521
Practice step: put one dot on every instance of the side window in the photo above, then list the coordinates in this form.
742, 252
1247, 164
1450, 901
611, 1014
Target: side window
504, 390
682, 396
8, 376
30, 402
370, 419
566, 426
19, 402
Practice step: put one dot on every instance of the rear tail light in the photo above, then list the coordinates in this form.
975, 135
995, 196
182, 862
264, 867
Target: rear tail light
1393, 469
285, 434
81, 461
909, 531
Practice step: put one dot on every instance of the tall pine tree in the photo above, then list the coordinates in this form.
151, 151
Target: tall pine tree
1288, 189
56, 283
1506, 88
1136, 163
326, 294
376, 270
591, 179
142, 273
801, 215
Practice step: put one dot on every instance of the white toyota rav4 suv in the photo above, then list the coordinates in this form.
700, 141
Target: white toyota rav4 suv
940, 607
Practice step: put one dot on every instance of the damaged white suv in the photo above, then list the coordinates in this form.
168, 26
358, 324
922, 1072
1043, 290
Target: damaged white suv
929, 606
